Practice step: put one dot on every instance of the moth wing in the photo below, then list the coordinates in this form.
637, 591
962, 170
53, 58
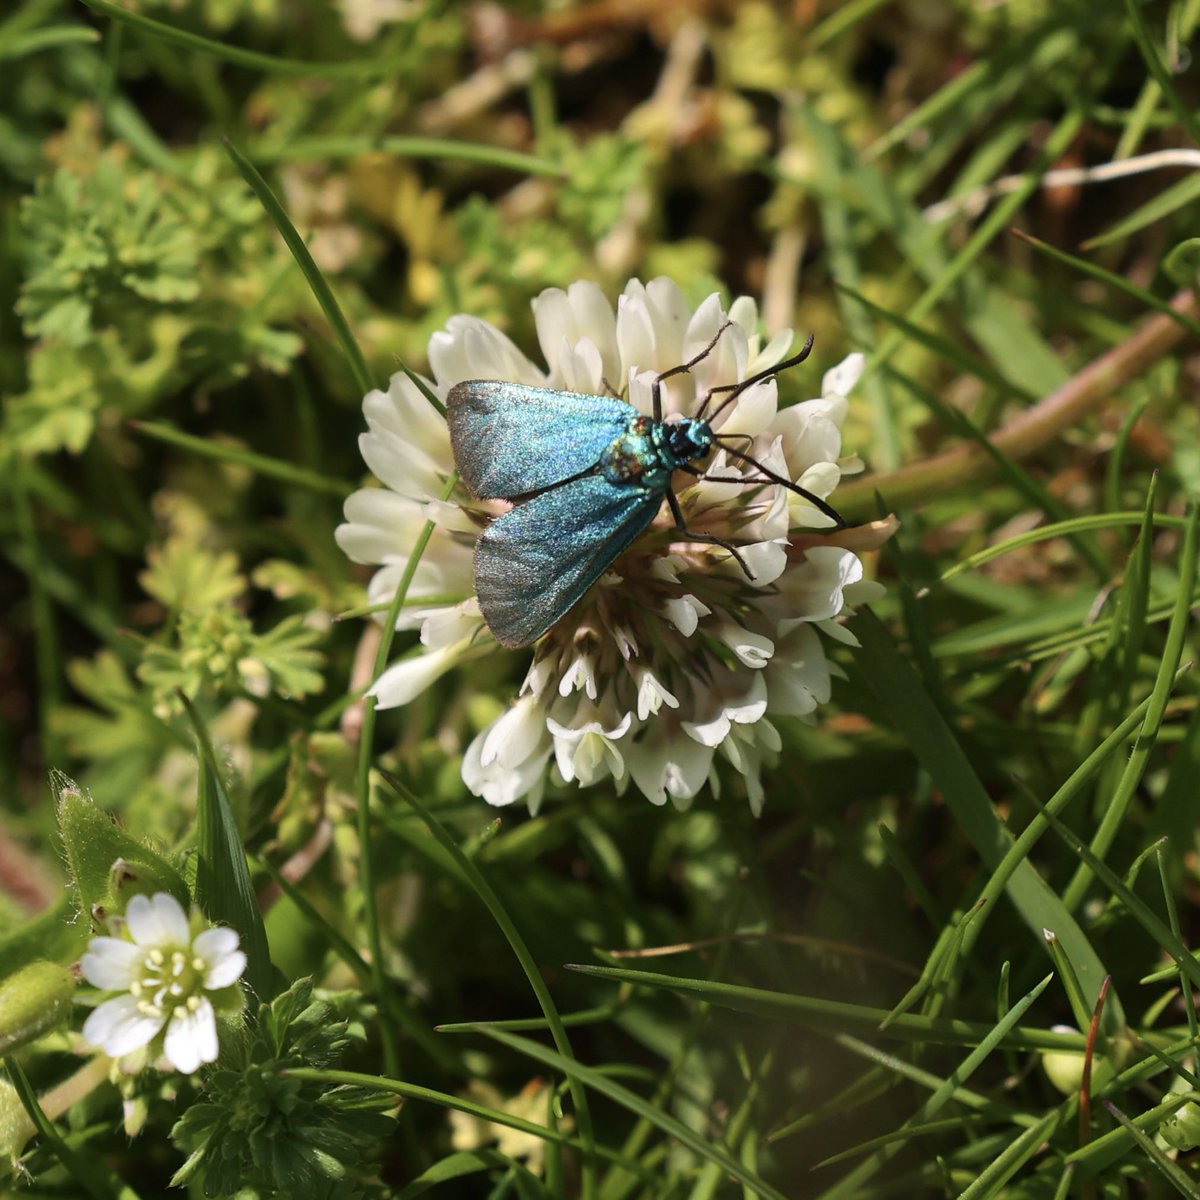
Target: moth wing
510, 439
534, 563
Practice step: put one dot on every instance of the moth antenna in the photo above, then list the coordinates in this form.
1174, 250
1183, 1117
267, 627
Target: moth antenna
682, 369
736, 389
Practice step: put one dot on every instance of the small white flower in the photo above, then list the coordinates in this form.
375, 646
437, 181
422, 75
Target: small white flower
166, 974
673, 659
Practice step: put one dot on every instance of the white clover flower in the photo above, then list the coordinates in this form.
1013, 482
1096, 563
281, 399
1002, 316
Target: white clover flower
674, 657
166, 974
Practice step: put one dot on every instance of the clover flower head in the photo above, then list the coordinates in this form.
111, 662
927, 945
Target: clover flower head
674, 658
168, 978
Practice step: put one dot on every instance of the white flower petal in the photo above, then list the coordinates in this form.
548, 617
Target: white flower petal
158, 920
516, 735
840, 379
580, 314
112, 964
405, 412
118, 1027
506, 779
773, 352
684, 612
663, 766
225, 971
403, 681
191, 1039
752, 649
380, 526
815, 585
652, 695
711, 732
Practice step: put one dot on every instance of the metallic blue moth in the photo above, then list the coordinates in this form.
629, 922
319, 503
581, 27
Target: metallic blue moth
586, 475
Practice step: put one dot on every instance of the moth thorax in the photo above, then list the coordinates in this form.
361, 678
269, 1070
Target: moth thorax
687, 439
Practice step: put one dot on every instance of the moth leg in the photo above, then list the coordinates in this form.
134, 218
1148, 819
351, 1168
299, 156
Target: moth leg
816, 501
612, 391
682, 369
710, 538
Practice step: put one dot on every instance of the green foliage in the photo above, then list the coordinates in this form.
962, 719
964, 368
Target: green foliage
217, 652
214, 649
829, 1009
103, 252
130, 280
260, 1134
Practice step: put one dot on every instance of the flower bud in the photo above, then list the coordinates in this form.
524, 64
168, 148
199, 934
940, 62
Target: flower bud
33, 1000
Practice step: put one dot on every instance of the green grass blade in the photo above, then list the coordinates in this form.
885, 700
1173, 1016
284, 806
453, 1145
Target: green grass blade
1135, 768
829, 1015
1000, 1170
1171, 1171
260, 464
362, 67
636, 1104
942, 1095
1158, 69
1178, 195
943, 348
1119, 282
1158, 929
333, 146
917, 719
487, 894
223, 888
1109, 520
304, 260
413, 1091
1109, 1147
46, 38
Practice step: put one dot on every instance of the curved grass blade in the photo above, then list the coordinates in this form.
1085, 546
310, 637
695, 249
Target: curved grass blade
1023, 844
1043, 533
45, 39
464, 1163
355, 68
945, 1091
1149, 299
1158, 929
587, 1016
362, 783
1157, 68
497, 1116
1174, 1174
223, 888
824, 1015
346, 146
1136, 766
919, 721
943, 348
1178, 195
260, 464
484, 891
1109, 1147
304, 260
1021, 480
636, 1104
992, 1178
